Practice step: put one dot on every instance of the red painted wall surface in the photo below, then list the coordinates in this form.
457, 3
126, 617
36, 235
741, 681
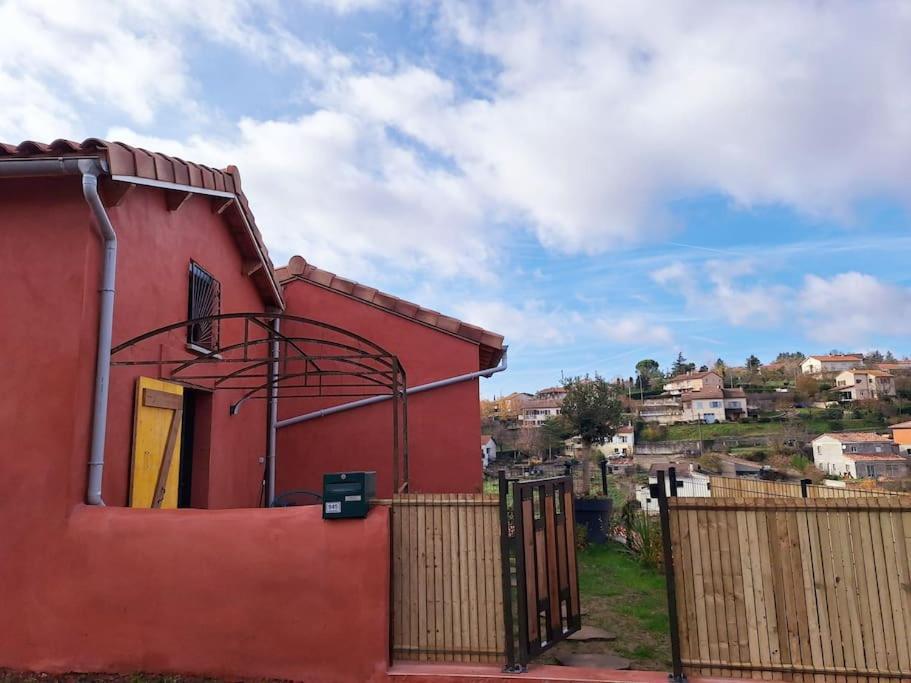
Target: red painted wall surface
444, 424
266, 593
256, 593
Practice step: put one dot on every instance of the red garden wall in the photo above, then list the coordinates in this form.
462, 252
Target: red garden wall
443, 424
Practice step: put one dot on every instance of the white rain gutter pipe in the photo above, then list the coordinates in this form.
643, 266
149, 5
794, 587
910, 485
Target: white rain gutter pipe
89, 168
379, 399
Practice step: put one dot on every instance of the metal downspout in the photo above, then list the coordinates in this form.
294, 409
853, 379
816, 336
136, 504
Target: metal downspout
272, 417
379, 399
90, 172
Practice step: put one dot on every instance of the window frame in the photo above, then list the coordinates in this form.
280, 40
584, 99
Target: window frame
204, 337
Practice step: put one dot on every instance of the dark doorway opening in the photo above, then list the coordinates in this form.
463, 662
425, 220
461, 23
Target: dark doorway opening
187, 434
195, 447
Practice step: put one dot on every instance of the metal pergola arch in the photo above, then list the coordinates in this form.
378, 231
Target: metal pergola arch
270, 356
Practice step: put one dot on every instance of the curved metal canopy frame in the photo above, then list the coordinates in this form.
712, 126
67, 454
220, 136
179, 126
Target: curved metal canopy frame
270, 356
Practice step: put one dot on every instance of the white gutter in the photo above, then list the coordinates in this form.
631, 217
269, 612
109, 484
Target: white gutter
379, 399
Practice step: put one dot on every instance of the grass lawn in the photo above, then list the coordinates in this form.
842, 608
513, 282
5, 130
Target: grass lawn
626, 599
690, 432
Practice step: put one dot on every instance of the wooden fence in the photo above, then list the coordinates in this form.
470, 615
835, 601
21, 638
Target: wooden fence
793, 589
729, 487
447, 592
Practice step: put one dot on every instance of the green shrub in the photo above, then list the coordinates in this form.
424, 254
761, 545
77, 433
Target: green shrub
800, 463
643, 537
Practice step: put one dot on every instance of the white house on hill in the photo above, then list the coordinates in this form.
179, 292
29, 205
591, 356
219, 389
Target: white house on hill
818, 365
858, 455
488, 450
693, 381
863, 384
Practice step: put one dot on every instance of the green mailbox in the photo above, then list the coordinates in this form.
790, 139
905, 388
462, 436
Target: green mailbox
346, 495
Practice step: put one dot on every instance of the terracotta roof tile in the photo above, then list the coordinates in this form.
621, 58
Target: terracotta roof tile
691, 375
490, 343
856, 437
124, 160
841, 358
875, 456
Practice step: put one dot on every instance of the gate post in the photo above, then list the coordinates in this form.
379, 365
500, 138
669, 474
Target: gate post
506, 570
677, 676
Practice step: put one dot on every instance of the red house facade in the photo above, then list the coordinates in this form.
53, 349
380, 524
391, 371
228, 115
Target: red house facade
443, 421
92, 581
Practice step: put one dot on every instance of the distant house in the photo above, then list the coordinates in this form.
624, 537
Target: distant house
620, 445
508, 407
858, 455
819, 365
899, 367
664, 410
714, 404
552, 393
693, 381
690, 483
535, 411
488, 450
901, 435
864, 384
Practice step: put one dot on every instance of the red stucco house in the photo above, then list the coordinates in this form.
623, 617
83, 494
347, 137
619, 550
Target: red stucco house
442, 422
104, 246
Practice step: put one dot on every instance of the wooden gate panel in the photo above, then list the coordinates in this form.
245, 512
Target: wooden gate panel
547, 582
447, 590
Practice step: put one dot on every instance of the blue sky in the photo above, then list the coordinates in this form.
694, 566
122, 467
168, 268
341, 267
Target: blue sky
600, 182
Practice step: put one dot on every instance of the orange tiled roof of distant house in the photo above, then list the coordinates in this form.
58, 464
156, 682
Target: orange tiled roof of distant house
491, 343
691, 375
870, 371
838, 358
875, 456
901, 425
125, 162
856, 437
541, 403
713, 392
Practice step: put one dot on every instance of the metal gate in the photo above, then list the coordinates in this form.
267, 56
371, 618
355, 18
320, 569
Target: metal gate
539, 552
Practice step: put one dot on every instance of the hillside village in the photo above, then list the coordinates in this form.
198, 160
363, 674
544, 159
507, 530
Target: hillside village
834, 416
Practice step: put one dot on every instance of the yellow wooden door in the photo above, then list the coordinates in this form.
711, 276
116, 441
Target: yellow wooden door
156, 444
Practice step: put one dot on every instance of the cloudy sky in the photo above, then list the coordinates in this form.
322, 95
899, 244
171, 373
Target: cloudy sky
599, 181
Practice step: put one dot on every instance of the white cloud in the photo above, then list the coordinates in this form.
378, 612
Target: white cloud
853, 309
847, 309
601, 112
714, 288
60, 63
335, 190
531, 324
635, 330
580, 123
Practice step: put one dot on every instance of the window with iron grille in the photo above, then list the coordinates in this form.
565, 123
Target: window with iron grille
204, 300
